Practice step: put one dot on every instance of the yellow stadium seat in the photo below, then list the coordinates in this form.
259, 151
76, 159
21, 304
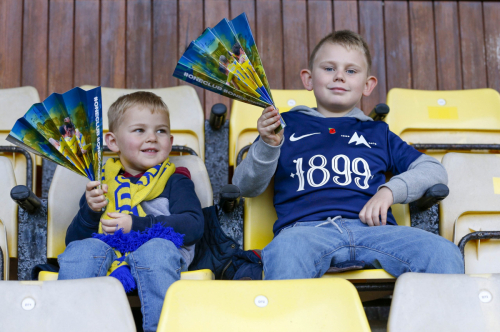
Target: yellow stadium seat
96, 304
63, 205
187, 118
276, 305
8, 215
243, 121
445, 302
445, 117
259, 217
67, 188
473, 205
14, 103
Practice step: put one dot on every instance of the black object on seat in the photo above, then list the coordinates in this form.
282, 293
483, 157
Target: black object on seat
379, 112
25, 198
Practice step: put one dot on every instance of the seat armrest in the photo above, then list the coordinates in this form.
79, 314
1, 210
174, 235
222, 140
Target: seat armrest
26, 199
481, 235
217, 116
379, 112
1, 264
228, 197
432, 196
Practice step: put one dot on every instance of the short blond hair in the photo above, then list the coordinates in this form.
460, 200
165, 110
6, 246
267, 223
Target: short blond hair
348, 39
141, 98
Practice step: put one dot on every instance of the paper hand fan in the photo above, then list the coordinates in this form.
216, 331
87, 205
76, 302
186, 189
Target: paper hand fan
225, 60
66, 129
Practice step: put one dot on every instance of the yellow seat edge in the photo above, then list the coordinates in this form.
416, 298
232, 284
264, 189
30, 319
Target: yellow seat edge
204, 274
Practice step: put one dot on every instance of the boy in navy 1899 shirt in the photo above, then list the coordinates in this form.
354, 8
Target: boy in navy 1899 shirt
329, 165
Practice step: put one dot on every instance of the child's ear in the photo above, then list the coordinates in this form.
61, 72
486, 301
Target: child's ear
306, 77
371, 83
111, 142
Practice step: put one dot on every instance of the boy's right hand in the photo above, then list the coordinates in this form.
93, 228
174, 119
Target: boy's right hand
95, 196
267, 123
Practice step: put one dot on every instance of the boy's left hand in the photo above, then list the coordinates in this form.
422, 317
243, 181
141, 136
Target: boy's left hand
377, 207
119, 220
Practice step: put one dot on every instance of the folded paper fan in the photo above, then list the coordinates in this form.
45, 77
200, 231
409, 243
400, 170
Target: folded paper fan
66, 129
225, 60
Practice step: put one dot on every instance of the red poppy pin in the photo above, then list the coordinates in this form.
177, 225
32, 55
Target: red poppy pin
332, 130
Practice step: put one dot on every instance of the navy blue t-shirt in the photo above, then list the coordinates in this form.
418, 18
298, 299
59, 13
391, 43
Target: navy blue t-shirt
333, 166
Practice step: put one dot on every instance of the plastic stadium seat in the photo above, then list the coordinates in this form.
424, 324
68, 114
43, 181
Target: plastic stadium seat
284, 305
445, 302
259, 217
445, 117
473, 205
97, 304
186, 113
14, 103
8, 215
243, 121
67, 188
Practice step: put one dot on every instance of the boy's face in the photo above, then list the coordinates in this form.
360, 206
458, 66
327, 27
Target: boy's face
142, 139
339, 78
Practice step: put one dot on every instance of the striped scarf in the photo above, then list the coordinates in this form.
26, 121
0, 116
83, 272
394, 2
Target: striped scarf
125, 197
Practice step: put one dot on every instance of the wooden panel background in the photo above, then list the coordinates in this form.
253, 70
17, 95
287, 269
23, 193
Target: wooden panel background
55, 45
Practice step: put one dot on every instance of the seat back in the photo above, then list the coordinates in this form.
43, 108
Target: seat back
243, 121
445, 302
272, 305
8, 214
67, 188
445, 117
260, 215
95, 304
187, 118
14, 103
473, 205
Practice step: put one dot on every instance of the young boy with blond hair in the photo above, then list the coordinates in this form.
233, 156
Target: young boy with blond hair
329, 166
145, 189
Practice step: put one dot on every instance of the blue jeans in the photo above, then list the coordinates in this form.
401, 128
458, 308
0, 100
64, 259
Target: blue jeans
155, 266
309, 249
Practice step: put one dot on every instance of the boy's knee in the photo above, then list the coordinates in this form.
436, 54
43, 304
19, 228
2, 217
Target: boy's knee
444, 257
158, 247
92, 247
290, 244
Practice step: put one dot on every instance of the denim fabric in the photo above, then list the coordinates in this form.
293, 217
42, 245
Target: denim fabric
308, 249
155, 266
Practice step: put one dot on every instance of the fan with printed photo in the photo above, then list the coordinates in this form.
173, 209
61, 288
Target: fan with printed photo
66, 129
225, 60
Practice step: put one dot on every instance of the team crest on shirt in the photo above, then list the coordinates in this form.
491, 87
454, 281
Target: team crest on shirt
358, 140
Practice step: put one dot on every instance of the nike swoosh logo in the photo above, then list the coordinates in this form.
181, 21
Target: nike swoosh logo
293, 138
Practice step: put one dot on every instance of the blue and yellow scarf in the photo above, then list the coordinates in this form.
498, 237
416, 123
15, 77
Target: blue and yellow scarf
125, 197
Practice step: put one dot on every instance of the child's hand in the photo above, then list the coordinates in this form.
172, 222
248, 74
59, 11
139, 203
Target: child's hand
267, 123
377, 206
119, 220
95, 197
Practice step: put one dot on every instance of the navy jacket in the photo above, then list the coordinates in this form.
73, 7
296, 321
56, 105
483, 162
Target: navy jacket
186, 216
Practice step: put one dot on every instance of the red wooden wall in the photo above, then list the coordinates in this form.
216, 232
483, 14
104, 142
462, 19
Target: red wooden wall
55, 45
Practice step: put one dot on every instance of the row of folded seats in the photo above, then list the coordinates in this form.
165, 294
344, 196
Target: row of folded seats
420, 117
